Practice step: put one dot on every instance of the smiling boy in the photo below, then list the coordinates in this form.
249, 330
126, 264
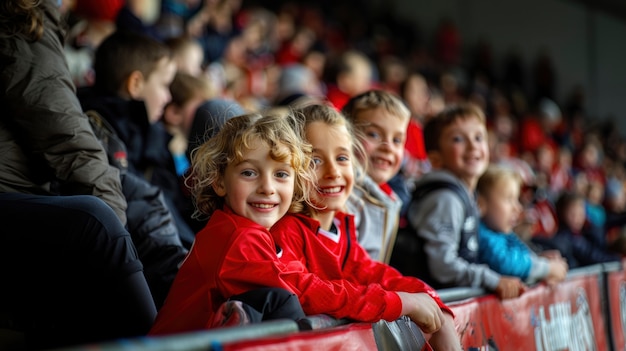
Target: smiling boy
381, 120
443, 214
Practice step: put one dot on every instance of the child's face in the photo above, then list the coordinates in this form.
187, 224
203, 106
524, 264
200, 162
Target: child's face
574, 216
332, 154
463, 149
258, 188
155, 91
190, 60
416, 95
384, 142
501, 208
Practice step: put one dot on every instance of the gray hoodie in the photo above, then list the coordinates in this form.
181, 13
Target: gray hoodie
376, 217
439, 219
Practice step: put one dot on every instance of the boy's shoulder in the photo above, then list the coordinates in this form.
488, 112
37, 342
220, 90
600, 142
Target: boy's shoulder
440, 179
437, 181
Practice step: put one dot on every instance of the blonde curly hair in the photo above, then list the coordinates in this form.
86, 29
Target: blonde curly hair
282, 132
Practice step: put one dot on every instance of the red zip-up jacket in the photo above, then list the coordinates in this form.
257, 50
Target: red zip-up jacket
233, 255
230, 255
339, 257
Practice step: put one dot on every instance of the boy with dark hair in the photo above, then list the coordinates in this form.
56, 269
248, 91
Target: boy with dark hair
443, 215
125, 105
131, 89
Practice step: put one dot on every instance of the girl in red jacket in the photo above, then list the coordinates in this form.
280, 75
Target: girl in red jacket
325, 243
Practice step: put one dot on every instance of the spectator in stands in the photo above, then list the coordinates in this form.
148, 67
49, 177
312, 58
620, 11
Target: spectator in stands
443, 216
416, 93
96, 22
616, 214
594, 204
580, 243
588, 160
188, 93
139, 16
70, 273
353, 76
537, 130
325, 242
133, 74
187, 53
244, 179
562, 174
381, 119
297, 84
150, 221
498, 246
209, 118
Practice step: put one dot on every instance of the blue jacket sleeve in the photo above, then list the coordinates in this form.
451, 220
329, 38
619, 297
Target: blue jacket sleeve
504, 253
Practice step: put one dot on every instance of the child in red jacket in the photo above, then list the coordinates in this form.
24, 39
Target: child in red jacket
245, 179
325, 242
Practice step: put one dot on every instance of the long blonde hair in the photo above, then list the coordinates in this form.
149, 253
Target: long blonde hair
330, 116
281, 132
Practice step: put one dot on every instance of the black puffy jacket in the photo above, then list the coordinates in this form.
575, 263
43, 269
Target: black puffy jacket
150, 221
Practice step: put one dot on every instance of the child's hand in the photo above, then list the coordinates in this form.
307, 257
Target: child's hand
557, 271
509, 288
422, 310
446, 339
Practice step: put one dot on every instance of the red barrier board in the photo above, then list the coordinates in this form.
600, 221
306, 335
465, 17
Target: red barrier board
566, 317
352, 337
616, 295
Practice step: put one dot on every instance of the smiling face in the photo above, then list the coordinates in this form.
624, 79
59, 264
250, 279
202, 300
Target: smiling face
332, 155
463, 149
500, 206
258, 187
384, 135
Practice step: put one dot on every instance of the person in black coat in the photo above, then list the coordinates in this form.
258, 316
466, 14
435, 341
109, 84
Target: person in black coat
69, 269
150, 222
579, 241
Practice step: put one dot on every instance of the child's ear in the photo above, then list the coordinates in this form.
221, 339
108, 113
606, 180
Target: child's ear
134, 84
219, 188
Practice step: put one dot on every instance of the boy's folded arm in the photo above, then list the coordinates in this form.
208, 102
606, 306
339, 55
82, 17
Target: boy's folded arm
504, 254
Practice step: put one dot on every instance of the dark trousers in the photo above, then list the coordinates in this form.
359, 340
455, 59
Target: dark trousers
270, 303
69, 271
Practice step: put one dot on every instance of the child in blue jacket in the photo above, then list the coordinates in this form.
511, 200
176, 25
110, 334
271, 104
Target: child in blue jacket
499, 247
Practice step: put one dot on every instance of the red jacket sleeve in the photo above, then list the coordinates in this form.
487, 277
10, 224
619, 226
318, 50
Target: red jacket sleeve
252, 261
368, 271
339, 298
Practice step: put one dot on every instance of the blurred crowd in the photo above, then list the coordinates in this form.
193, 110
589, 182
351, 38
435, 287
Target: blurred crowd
283, 53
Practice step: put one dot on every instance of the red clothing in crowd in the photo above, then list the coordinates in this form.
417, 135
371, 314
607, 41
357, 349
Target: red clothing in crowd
532, 136
230, 256
339, 257
233, 255
414, 145
336, 97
